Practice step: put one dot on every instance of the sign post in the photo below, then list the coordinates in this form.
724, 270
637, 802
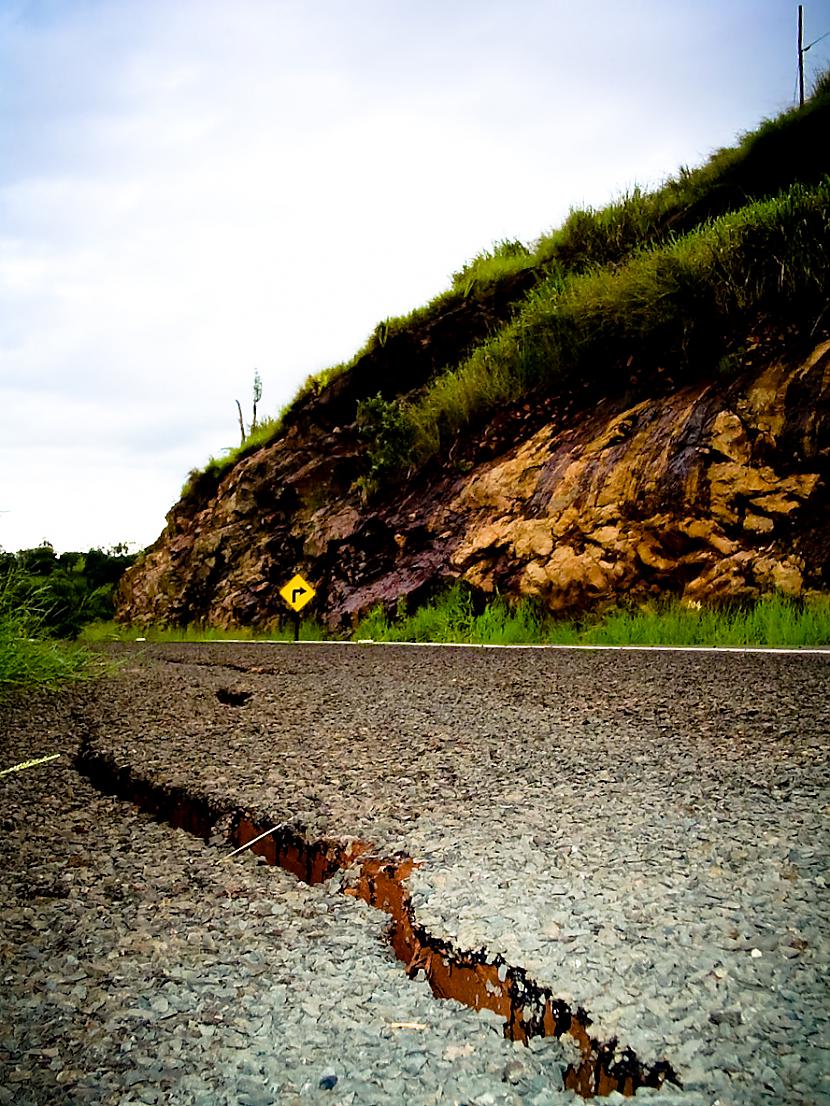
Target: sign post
296, 593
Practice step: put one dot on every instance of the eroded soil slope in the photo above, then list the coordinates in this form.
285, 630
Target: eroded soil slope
709, 492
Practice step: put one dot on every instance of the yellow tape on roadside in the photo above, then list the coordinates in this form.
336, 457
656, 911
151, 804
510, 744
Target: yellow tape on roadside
28, 764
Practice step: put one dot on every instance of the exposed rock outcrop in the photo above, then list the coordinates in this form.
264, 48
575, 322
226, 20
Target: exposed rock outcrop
711, 492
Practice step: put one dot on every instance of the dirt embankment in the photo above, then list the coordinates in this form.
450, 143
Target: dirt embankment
710, 492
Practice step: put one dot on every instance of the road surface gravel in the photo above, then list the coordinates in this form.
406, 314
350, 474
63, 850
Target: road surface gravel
645, 832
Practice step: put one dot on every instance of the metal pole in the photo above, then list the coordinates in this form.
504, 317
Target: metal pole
800, 55
253, 841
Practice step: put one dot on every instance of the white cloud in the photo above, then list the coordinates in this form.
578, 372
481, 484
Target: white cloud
194, 190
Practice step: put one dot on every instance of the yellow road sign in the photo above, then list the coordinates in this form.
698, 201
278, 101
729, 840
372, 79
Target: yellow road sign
297, 592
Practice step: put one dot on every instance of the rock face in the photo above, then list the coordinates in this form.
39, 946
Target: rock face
711, 492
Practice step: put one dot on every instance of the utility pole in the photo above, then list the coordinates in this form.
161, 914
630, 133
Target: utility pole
802, 50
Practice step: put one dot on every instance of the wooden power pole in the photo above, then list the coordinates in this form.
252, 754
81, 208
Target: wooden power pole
801, 55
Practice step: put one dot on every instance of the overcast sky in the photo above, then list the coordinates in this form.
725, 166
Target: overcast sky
194, 190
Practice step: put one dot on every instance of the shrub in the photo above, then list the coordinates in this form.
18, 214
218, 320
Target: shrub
67, 590
390, 436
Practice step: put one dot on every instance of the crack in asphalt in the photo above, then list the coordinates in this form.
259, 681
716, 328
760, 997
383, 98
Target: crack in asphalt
528, 1008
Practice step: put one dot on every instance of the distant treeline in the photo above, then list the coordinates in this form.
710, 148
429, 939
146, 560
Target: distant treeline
63, 591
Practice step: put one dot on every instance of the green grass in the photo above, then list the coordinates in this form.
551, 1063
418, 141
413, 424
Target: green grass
453, 617
541, 314
265, 432
28, 659
102, 632
459, 616
780, 152
689, 305
773, 622
502, 260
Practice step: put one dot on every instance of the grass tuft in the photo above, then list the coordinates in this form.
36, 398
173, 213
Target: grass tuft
102, 632
27, 658
453, 617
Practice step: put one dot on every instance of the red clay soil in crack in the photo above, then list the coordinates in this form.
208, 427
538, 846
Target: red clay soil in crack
528, 1009
312, 861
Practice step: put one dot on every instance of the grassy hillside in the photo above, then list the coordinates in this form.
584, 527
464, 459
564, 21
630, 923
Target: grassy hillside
700, 301
689, 278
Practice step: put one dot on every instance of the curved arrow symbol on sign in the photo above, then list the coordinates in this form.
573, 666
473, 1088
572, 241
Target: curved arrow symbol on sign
297, 592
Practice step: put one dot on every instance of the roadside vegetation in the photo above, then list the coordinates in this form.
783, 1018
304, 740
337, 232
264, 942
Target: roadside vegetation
456, 616
67, 590
461, 616
686, 278
45, 600
101, 632
28, 657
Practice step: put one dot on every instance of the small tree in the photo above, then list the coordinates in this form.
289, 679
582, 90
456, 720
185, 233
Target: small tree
257, 398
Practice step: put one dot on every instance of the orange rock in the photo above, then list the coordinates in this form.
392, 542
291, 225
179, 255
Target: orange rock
758, 524
729, 438
532, 537
680, 489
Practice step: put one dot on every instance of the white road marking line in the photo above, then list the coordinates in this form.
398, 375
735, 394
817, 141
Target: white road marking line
805, 651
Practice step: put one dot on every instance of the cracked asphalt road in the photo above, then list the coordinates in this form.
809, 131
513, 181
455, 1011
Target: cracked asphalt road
645, 833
